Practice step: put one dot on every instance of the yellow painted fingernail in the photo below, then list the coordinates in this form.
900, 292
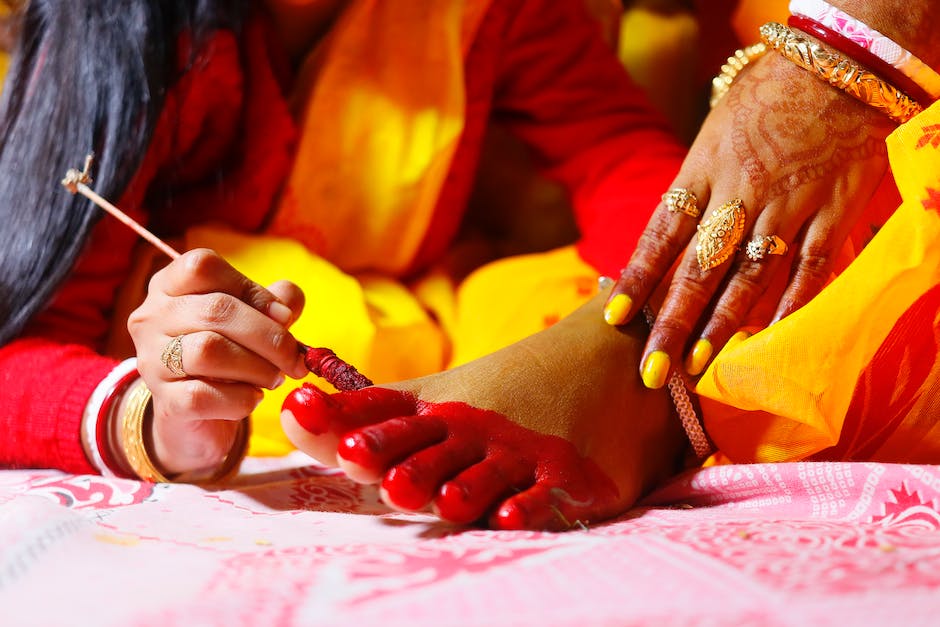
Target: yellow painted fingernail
697, 360
740, 336
655, 369
615, 311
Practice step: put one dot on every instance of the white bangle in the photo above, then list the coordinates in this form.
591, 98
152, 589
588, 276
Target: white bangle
875, 42
90, 416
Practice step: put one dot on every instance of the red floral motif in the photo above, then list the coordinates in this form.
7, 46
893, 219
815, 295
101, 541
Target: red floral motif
369, 572
932, 202
92, 492
909, 507
931, 136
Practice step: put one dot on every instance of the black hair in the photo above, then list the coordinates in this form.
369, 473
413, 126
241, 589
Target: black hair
86, 76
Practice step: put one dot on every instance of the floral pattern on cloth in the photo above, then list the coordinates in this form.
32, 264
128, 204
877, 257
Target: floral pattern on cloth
292, 543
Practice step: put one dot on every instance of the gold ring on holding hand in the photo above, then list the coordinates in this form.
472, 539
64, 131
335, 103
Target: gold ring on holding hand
172, 356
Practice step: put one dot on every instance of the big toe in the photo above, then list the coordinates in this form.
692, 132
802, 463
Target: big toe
314, 421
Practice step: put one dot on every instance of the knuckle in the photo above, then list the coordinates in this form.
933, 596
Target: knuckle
190, 398
690, 289
670, 327
281, 340
201, 261
135, 321
256, 295
813, 266
656, 250
749, 278
205, 348
659, 239
721, 320
218, 308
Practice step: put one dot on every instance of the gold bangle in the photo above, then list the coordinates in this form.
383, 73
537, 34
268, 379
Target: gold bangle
839, 72
137, 410
138, 413
233, 459
734, 66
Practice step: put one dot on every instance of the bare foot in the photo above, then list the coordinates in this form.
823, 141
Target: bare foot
553, 430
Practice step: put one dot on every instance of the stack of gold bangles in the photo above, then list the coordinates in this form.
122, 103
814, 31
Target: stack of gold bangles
826, 64
132, 435
840, 72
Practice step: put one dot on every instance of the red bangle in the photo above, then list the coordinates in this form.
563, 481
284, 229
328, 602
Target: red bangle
103, 424
862, 56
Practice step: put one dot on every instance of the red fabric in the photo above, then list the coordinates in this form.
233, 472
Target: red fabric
46, 386
900, 372
540, 67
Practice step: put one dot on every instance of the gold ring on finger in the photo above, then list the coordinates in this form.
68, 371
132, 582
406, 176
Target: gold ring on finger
172, 356
720, 234
763, 245
682, 200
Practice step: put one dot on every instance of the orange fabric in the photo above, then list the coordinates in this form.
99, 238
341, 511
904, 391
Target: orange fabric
853, 374
380, 129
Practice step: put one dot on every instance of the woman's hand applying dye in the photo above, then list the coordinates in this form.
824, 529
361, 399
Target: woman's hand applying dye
234, 342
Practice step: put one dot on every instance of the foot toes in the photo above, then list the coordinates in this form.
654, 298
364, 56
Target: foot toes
412, 484
367, 453
472, 493
314, 420
542, 507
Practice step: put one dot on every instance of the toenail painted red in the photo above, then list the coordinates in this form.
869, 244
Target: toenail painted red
511, 517
312, 408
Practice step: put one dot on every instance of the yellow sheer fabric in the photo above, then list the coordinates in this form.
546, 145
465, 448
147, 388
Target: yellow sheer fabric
381, 108
784, 393
382, 111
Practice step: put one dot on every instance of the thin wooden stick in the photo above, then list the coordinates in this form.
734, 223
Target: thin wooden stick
77, 182
320, 361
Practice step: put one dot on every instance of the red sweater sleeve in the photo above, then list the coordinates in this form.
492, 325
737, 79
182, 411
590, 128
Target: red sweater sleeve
49, 373
562, 90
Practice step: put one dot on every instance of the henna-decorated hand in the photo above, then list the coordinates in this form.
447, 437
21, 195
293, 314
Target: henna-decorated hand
234, 342
805, 159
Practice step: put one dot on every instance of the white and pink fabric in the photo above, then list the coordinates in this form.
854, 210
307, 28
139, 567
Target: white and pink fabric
290, 543
872, 40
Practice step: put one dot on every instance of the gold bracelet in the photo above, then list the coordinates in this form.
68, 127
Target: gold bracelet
730, 70
839, 72
137, 409
137, 416
233, 459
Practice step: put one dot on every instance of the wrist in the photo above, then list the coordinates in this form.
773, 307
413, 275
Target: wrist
910, 23
131, 434
131, 443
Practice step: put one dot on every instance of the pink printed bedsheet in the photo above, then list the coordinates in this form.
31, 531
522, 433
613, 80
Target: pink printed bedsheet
294, 544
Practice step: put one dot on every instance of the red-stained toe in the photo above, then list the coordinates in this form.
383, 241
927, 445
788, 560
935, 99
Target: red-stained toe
367, 453
517, 477
412, 484
469, 496
320, 413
